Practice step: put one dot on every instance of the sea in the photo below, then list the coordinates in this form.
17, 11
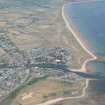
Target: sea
88, 19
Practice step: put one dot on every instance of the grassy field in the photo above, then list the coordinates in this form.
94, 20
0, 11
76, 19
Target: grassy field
10, 97
43, 90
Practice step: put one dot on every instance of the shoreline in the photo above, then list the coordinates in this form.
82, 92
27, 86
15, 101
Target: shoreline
83, 67
75, 34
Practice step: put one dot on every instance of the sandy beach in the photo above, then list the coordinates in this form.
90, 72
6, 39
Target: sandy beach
83, 67
69, 25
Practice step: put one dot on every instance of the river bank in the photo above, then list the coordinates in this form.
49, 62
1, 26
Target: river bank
69, 25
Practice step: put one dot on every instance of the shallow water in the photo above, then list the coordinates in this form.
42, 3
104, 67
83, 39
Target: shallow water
88, 19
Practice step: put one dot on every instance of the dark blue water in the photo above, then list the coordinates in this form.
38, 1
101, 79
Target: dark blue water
88, 19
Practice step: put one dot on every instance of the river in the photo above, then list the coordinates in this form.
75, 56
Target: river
88, 19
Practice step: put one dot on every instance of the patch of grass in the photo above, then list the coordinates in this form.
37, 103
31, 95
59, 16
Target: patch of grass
44, 90
8, 100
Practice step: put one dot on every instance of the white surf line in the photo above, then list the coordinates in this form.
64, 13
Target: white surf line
69, 26
83, 68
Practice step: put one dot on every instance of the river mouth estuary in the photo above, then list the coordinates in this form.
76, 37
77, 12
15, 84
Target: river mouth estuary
52, 52
88, 19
